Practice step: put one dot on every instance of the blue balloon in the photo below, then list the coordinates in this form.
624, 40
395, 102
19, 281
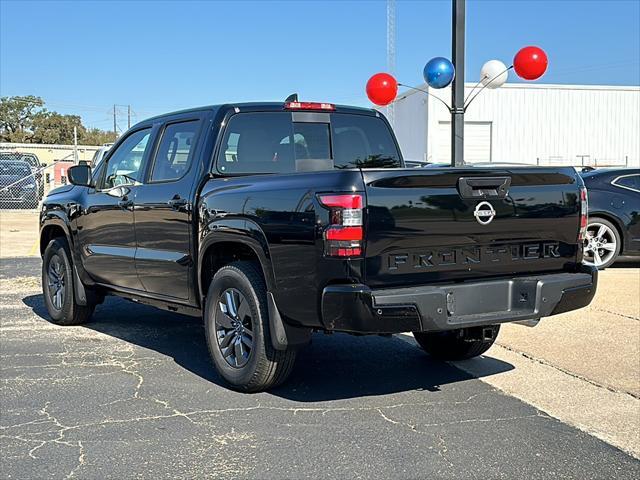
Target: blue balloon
438, 72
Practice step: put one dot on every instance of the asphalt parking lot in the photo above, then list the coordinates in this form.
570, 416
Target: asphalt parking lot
132, 394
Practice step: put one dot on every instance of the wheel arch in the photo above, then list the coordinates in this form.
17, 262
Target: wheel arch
53, 227
226, 243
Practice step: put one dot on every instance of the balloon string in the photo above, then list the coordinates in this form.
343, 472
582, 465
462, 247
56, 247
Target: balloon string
485, 86
473, 89
425, 91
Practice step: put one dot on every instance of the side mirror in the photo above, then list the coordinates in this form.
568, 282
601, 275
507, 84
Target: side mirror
80, 175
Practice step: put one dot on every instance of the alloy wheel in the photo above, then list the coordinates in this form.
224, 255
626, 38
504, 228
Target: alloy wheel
600, 246
56, 282
234, 327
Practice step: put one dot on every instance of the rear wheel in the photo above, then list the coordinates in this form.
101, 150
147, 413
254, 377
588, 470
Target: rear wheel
237, 330
458, 344
602, 245
57, 286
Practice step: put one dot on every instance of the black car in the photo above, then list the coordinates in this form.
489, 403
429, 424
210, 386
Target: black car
614, 215
17, 186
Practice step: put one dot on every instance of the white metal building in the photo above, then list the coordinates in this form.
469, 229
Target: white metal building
527, 123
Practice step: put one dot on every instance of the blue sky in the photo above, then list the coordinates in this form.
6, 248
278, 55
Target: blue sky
82, 57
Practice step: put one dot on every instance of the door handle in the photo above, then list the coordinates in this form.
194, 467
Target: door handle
484, 187
177, 202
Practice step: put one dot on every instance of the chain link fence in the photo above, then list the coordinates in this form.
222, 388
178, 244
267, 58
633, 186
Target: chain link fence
22, 181
29, 171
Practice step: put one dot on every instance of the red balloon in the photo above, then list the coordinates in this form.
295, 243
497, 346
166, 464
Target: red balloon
382, 89
530, 63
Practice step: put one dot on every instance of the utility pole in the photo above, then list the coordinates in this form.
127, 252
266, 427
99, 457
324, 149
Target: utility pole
391, 51
457, 89
75, 145
128, 117
115, 128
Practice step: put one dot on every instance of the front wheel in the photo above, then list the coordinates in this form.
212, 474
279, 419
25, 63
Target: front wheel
57, 286
457, 344
237, 330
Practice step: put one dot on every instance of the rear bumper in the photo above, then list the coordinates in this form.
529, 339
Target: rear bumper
357, 308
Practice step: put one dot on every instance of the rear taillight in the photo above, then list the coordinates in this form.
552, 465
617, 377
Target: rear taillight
344, 234
309, 106
584, 212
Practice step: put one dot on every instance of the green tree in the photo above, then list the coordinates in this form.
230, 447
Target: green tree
53, 127
95, 136
16, 117
25, 120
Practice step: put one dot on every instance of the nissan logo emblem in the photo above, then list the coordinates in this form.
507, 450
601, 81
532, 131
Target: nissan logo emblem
484, 213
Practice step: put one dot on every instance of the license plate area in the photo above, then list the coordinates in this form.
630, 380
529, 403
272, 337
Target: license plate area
512, 296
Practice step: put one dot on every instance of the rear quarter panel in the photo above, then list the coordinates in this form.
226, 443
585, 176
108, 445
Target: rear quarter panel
283, 210
618, 205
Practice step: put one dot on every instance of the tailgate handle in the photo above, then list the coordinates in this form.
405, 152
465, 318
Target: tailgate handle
484, 187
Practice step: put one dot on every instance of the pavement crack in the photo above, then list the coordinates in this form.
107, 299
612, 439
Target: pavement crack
443, 449
60, 432
80, 464
395, 422
481, 420
386, 418
567, 372
623, 315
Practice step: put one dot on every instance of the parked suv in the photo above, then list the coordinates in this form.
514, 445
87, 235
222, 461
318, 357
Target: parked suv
273, 220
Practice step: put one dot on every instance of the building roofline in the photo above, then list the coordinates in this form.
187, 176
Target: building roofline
539, 86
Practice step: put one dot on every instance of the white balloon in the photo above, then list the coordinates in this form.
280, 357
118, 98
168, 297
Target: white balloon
493, 74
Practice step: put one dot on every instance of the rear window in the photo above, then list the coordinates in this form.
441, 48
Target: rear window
271, 142
628, 181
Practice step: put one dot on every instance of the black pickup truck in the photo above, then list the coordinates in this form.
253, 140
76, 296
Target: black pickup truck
274, 220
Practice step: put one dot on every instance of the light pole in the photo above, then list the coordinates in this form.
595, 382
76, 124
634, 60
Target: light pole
457, 89
529, 63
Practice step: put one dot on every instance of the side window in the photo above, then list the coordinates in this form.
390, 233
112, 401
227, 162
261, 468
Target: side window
124, 165
255, 143
175, 152
631, 181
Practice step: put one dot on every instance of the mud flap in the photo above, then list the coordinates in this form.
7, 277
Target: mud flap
284, 336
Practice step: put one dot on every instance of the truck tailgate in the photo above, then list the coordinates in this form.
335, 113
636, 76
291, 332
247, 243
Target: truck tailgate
439, 225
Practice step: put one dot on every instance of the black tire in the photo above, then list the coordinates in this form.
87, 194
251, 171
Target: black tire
451, 345
611, 233
62, 308
264, 367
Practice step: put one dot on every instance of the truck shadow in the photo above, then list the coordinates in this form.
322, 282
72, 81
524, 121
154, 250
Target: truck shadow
333, 367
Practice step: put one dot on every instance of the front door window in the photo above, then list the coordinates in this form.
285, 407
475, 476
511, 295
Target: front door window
124, 167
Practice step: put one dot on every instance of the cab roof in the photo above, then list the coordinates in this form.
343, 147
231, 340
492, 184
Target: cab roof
254, 107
